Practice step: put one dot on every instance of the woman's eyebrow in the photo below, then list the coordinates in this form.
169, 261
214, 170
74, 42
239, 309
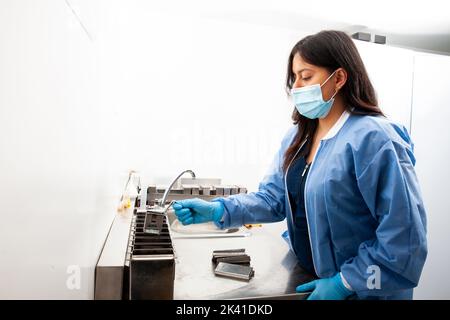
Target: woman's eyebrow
304, 69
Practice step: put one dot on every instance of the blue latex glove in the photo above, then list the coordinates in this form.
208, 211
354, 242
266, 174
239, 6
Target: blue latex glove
326, 289
198, 211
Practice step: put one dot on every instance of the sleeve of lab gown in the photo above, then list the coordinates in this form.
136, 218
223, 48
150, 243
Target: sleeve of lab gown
265, 205
394, 258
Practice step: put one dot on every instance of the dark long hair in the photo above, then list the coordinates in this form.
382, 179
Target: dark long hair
331, 50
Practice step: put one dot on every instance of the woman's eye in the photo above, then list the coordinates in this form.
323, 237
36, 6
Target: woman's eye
306, 79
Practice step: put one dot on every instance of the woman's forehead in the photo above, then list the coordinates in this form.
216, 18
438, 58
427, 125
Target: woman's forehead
299, 65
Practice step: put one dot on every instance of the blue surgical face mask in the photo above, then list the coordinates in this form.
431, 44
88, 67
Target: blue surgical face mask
309, 101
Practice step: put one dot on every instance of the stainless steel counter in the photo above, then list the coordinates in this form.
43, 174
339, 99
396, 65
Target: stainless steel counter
276, 269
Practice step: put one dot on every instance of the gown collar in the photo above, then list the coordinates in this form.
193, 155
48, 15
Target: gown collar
337, 126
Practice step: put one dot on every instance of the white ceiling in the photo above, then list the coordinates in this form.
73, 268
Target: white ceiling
423, 25
413, 16
420, 24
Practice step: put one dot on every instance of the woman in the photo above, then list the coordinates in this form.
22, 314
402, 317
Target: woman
343, 178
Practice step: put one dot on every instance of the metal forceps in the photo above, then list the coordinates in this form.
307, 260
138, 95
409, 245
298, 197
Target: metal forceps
155, 227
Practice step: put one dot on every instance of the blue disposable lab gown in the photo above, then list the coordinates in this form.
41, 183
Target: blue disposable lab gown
363, 203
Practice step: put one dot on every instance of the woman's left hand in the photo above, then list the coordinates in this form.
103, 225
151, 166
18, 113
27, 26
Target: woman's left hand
326, 289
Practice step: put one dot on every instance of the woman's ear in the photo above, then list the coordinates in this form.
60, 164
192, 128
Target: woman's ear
341, 78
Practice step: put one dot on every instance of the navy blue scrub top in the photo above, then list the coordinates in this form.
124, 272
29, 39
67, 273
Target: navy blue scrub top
295, 180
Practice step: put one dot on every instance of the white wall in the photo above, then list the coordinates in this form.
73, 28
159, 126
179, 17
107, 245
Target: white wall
190, 92
391, 72
431, 134
58, 190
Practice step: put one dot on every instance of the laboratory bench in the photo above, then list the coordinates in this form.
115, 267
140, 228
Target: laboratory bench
277, 273
178, 265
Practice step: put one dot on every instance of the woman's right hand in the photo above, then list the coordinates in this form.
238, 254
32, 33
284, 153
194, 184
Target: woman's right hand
198, 211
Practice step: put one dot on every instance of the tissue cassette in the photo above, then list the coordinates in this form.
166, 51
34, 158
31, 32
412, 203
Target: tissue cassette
234, 271
205, 189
